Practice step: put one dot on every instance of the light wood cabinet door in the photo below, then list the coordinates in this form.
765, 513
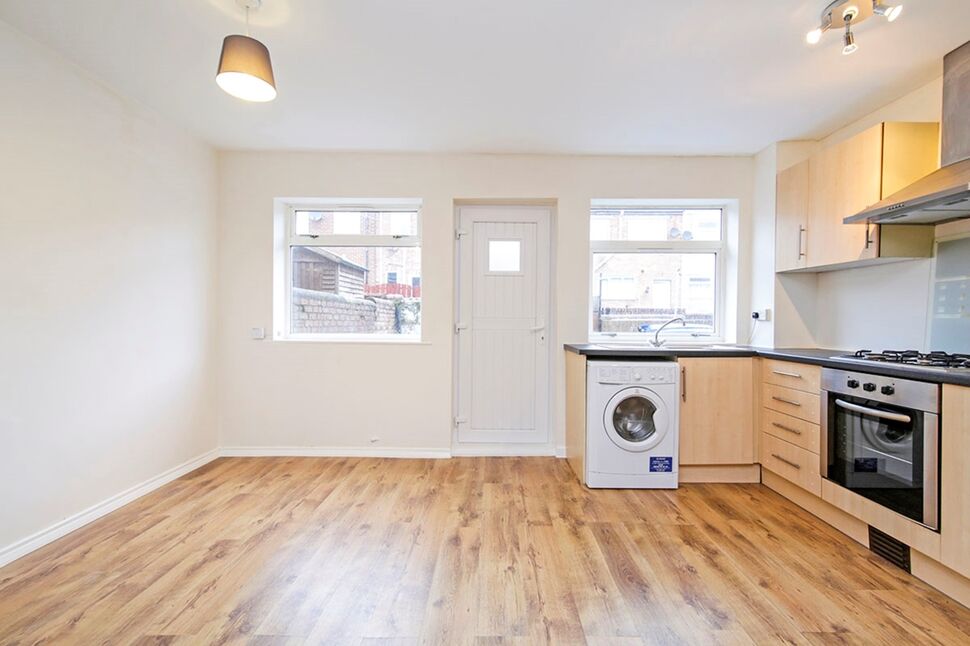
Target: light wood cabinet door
791, 217
717, 411
843, 180
792, 463
955, 479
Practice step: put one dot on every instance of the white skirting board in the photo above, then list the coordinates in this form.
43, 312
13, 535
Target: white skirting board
331, 452
80, 519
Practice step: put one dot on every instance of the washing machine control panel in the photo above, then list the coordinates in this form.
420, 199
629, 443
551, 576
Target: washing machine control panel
619, 373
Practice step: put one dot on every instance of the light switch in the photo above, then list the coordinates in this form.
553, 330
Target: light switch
257, 333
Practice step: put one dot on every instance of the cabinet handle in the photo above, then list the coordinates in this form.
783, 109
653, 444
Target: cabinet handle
801, 230
785, 428
788, 462
785, 401
683, 383
868, 237
787, 374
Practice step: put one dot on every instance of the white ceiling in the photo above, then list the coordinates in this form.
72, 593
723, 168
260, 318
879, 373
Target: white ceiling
577, 76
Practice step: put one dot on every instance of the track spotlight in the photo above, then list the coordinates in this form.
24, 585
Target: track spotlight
850, 13
889, 11
848, 40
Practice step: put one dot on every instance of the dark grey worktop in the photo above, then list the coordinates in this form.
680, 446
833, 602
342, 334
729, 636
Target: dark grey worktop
815, 356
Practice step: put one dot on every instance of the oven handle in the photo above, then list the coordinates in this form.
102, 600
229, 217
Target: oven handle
895, 417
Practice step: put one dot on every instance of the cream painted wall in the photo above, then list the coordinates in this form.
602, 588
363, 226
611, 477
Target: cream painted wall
299, 394
922, 104
766, 290
107, 250
763, 244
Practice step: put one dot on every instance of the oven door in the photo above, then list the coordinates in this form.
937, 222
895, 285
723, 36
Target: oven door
887, 454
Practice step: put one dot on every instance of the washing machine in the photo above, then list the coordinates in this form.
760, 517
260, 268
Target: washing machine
632, 425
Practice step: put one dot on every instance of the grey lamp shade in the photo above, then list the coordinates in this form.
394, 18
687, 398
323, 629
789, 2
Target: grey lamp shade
245, 70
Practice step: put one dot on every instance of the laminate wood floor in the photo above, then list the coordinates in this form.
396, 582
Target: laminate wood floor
462, 551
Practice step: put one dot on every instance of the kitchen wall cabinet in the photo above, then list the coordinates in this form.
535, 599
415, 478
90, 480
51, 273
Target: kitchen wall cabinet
791, 217
717, 411
842, 180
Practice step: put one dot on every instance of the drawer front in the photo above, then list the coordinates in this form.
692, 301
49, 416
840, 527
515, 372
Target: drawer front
791, 429
791, 462
792, 402
799, 376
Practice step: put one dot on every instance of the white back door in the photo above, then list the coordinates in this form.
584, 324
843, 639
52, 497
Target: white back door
503, 306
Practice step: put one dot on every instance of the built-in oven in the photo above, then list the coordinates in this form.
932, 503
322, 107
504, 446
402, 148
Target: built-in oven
881, 438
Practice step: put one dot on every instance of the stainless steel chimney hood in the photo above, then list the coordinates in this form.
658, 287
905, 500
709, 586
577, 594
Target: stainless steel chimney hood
943, 195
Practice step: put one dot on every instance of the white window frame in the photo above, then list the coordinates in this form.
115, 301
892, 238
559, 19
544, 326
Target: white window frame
286, 239
718, 247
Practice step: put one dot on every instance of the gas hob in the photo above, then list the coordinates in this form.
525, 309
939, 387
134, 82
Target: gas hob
912, 358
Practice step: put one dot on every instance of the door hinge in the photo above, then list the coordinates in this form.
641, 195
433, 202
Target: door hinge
460, 233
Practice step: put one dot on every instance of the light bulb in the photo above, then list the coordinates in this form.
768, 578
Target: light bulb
889, 11
813, 36
849, 44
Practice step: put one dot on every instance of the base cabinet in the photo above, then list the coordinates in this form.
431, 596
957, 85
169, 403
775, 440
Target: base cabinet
955, 480
717, 411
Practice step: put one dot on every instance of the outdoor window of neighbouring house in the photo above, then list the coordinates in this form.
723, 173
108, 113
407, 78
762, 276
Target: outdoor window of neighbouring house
352, 272
651, 264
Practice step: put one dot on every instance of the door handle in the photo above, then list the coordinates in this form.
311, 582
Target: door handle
539, 329
683, 383
801, 230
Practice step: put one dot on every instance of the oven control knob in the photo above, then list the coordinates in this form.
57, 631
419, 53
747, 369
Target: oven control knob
887, 390
852, 383
869, 387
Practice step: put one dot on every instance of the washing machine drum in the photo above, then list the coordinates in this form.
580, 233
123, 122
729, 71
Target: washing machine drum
636, 419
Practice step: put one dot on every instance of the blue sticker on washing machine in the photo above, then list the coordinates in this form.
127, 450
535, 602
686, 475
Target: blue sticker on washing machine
661, 464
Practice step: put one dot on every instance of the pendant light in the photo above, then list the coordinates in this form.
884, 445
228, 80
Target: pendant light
245, 70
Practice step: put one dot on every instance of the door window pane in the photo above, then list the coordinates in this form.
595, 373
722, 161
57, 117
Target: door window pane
658, 286
504, 255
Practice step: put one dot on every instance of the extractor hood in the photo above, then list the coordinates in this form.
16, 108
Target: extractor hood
943, 195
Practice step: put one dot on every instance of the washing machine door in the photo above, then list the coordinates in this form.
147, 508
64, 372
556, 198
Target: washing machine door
636, 419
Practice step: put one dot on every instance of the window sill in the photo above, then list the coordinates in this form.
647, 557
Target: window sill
351, 341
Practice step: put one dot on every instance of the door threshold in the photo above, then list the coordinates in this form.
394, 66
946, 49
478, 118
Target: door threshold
469, 450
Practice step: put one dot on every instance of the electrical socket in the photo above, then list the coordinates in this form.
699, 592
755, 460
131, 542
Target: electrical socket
761, 315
